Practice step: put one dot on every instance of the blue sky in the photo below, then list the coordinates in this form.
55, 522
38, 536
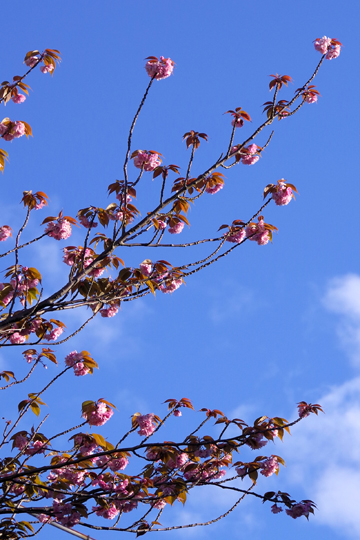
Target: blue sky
266, 327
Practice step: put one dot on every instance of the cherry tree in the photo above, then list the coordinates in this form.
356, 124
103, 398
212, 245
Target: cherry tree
77, 477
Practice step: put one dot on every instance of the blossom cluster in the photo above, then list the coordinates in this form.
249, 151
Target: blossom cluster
248, 155
5, 232
75, 360
160, 68
330, 47
12, 130
98, 414
148, 160
74, 256
60, 229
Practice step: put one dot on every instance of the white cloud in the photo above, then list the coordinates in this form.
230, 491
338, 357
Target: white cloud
343, 297
323, 458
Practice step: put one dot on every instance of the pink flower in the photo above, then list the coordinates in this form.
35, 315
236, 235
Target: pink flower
20, 441
163, 68
333, 53
108, 513
36, 447
162, 224
236, 237
282, 194
276, 509
31, 61
40, 205
149, 160
60, 229
177, 412
118, 464
160, 504
54, 334
298, 510
65, 514
322, 44
249, 158
100, 415
13, 130
5, 232
47, 69
177, 228
214, 189
304, 410
256, 232
311, 98
17, 339
111, 311
256, 441
19, 98
239, 122
74, 359
146, 424
170, 286
146, 268
328, 46
269, 466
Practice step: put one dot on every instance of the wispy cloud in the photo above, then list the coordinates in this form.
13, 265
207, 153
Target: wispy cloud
323, 459
343, 298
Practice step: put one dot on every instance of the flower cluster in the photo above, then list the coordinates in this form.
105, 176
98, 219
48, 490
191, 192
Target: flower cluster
148, 160
110, 311
282, 192
146, 424
161, 69
12, 130
74, 359
60, 229
330, 47
247, 155
74, 255
5, 232
98, 414
270, 466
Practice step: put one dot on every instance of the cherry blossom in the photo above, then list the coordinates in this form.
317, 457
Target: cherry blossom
304, 410
60, 229
256, 232
322, 44
269, 466
146, 268
282, 193
299, 509
250, 158
328, 46
236, 237
31, 61
100, 415
17, 339
111, 311
47, 69
239, 122
146, 424
177, 228
162, 68
214, 189
170, 285
5, 232
147, 160
276, 509
18, 98
74, 359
